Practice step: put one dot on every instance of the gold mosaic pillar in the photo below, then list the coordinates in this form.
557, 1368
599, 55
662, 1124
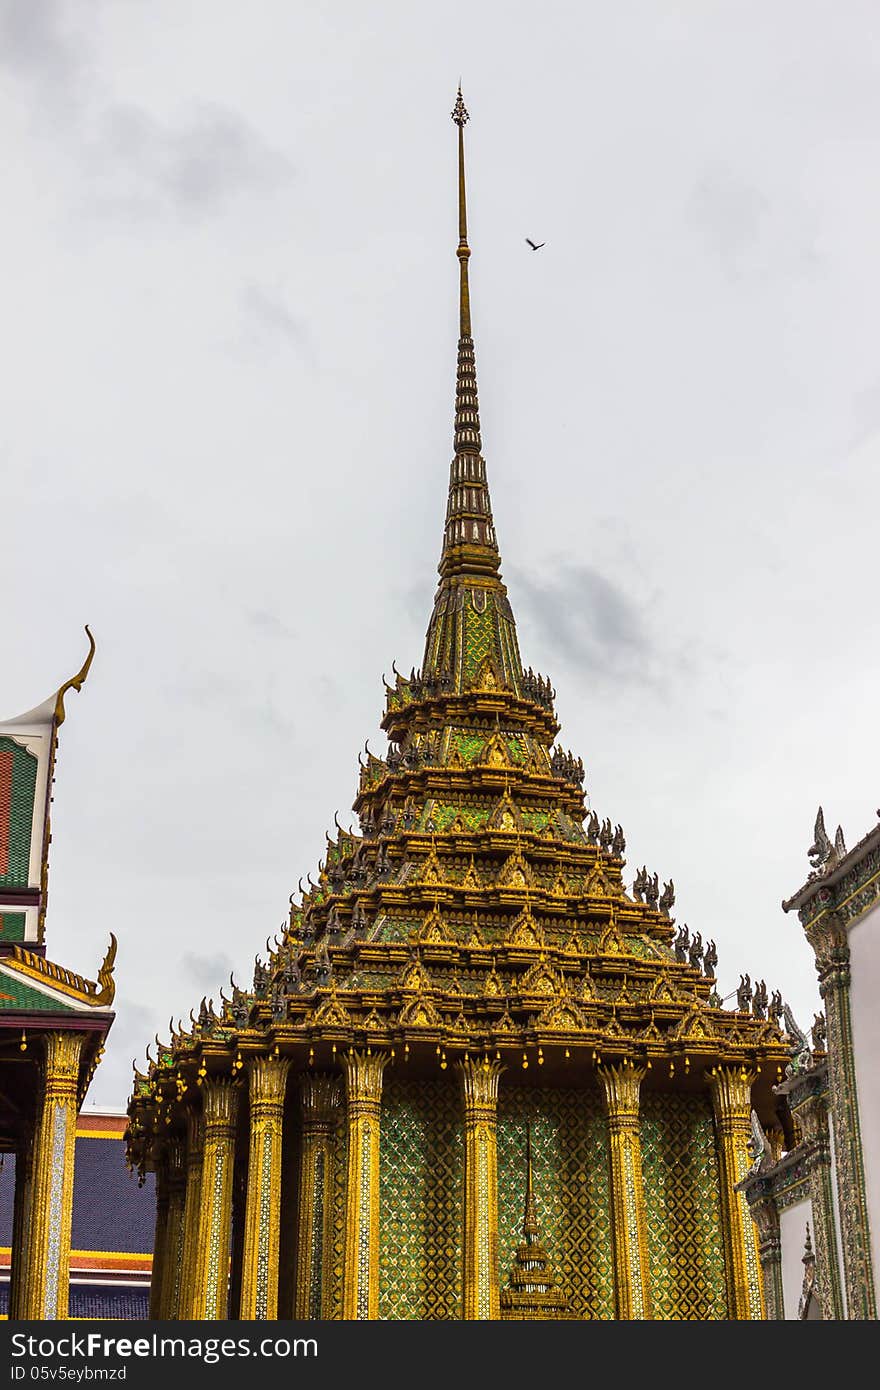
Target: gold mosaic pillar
259, 1280
21, 1222
195, 1144
215, 1223
320, 1096
732, 1101
360, 1286
51, 1205
631, 1274
766, 1218
479, 1081
172, 1265
812, 1114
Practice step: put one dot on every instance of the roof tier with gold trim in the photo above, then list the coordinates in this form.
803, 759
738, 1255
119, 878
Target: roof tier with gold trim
478, 908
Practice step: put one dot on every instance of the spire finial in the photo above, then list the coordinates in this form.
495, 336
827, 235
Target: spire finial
530, 1216
460, 117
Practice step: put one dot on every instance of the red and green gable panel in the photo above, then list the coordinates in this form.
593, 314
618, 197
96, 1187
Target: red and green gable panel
18, 781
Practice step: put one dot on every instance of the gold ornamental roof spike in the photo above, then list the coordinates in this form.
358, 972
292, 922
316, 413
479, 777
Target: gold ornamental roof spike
460, 116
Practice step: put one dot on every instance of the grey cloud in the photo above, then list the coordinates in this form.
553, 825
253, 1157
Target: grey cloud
131, 1029
39, 48
269, 320
33, 39
752, 235
269, 624
207, 973
194, 168
589, 622
730, 213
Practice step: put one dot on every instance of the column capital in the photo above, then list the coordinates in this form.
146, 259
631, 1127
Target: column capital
175, 1157
621, 1083
195, 1133
61, 1067
731, 1089
363, 1076
479, 1083
220, 1100
320, 1095
267, 1083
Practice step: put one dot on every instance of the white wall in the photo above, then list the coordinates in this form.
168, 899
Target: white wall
792, 1232
864, 945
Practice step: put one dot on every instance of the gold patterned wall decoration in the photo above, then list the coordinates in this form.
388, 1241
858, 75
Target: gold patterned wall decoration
683, 1202
571, 1184
420, 1200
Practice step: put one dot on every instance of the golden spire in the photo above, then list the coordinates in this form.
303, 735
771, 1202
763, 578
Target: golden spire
469, 545
460, 116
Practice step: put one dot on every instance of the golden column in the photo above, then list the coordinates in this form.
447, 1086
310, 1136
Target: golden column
732, 1101
215, 1223
195, 1143
479, 1083
47, 1272
172, 1264
631, 1273
259, 1280
319, 1106
363, 1082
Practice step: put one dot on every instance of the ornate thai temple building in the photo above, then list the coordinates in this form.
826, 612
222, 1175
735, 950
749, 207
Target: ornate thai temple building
482, 1075
817, 1203
53, 1022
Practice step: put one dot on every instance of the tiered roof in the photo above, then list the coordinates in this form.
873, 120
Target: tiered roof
479, 906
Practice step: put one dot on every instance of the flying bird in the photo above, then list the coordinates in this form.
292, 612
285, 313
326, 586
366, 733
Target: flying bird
532, 244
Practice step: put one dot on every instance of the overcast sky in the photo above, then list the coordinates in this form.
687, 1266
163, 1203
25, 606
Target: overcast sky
228, 347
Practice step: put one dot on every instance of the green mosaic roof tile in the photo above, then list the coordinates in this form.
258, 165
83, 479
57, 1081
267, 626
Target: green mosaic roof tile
18, 780
12, 925
18, 997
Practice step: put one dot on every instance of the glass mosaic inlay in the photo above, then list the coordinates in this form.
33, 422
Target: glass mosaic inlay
681, 1178
420, 1200
262, 1291
56, 1205
570, 1164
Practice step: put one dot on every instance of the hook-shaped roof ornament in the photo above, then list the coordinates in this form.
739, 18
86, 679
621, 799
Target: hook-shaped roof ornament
75, 682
